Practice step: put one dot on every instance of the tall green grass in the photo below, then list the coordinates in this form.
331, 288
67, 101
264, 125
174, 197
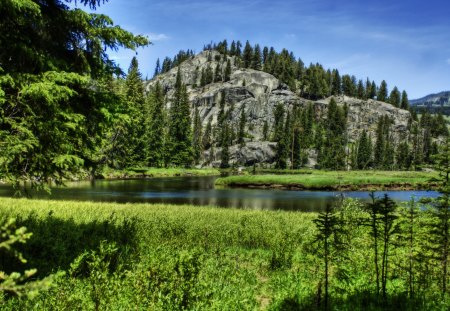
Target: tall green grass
165, 257
352, 180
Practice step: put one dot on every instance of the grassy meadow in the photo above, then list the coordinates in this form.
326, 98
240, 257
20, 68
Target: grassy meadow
348, 180
164, 257
157, 172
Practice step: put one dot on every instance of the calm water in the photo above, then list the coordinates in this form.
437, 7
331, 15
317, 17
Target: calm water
200, 191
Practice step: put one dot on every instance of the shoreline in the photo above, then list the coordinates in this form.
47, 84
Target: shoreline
344, 187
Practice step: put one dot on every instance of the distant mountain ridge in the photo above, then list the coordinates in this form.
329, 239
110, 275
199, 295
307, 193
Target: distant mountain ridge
441, 99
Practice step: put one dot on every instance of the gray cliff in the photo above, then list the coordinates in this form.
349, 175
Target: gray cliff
258, 93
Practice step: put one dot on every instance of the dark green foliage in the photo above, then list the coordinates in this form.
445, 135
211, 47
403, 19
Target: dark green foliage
227, 73
197, 137
233, 48
156, 130
218, 74
225, 144
329, 226
222, 47
380, 144
405, 102
382, 94
394, 98
242, 125
382, 217
360, 92
417, 146
364, 155
280, 137
265, 131
207, 136
256, 58
134, 138
403, 157
180, 133
348, 87
434, 124
247, 55
440, 227
157, 68
56, 126
209, 76
315, 85
333, 153
177, 60
221, 118
336, 83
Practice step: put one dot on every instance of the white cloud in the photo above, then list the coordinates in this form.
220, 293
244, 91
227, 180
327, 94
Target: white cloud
153, 37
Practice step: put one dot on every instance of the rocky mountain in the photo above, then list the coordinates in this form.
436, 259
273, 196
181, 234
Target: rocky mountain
433, 101
258, 93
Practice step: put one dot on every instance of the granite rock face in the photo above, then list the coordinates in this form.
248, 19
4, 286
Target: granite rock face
258, 93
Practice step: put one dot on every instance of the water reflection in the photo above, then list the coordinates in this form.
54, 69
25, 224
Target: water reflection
200, 191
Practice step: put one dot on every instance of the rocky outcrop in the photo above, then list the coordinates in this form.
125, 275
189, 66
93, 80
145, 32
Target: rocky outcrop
258, 93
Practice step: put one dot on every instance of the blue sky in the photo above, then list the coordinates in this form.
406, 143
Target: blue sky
407, 43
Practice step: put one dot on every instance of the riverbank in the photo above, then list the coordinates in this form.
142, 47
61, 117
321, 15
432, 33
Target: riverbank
156, 172
163, 257
335, 180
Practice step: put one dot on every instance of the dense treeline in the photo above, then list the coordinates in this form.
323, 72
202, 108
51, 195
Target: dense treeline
297, 132
56, 107
311, 82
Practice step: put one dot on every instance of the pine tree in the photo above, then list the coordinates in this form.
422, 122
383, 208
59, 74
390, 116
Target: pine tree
265, 54
227, 74
440, 231
417, 150
389, 154
335, 143
348, 87
379, 151
197, 142
280, 137
207, 136
364, 154
336, 84
156, 129
180, 137
157, 68
247, 56
382, 92
242, 124
368, 94
387, 215
238, 48
209, 76
225, 144
394, 97
405, 102
221, 118
361, 92
256, 58
134, 144
265, 131
218, 74
233, 48
373, 90
203, 78
328, 225
403, 157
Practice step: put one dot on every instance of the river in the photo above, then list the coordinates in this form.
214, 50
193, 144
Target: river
201, 191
